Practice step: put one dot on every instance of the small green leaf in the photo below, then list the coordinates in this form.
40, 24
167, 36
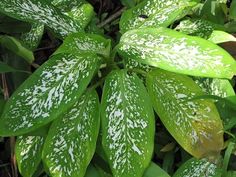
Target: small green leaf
213, 86
154, 13
71, 140
28, 153
155, 171
220, 37
48, 92
82, 42
127, 124
195, 124
177, 52
16, 47
198, 168
39, 11
4, 68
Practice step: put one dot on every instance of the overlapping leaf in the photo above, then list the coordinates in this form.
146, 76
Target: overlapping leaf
48, 92
71, 140
127, 124
28, 153
154, 13
155, 171
195, 124
41, 12
177, 52
220, 37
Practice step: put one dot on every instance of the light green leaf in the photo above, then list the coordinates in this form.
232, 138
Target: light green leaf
154, 13
16, 47
32, 38
195, 124
4, 68
39, 11
28, 151
177, 52
82, 42
198, 168
220, 37
48, 92
155, 171
127, 124
213, 86
71, 140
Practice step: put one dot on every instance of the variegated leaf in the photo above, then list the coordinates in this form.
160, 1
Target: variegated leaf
198, 168
41, 12
154, 13
82, 42
67, 5
48, 92
220, 37
127, 124
213, 86
195, 124
28, 153
177, 52
71, 140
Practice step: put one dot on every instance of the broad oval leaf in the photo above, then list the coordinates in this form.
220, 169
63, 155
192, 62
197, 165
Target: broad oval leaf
48, 92
177, 52
220, 37
127, 124
82, 42
214, 86
71, 140
195, 124
198, 168
41, 12
28, 152
154, 13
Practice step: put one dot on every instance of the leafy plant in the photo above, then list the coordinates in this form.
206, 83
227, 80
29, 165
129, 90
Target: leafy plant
153, 98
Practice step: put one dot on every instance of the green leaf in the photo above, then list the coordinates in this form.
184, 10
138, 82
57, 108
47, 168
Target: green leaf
155, 171
67, 5
82, 42
71, 140
92, 172
177, 52
48, 92
195, 124
32, 38
232, 10
2, 103
127, 124
213, 86
39, 11
4, 68
198, 168
220, 37
16, 47
154, 13
28, 153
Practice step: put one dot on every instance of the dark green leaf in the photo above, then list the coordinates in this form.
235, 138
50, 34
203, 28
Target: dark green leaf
92, 172
127, 124
67, 5
71, 140
194, 124
155, 171
48, 92
4, 68
177, 52
232, 10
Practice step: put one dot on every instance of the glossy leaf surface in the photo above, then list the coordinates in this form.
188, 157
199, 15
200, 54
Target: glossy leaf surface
177, 52
71, 140
195, 124
48, 92
28, 153
220, 37
41, 12
154, 13
127, 124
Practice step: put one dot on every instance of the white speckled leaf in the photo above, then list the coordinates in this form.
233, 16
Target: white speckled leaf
67, 5
197, 168
196, 124
71, 140
220, 37
28, 151
177, 52
82, 42
41, 12
127, 124
154, 13
213, 86
48, 92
